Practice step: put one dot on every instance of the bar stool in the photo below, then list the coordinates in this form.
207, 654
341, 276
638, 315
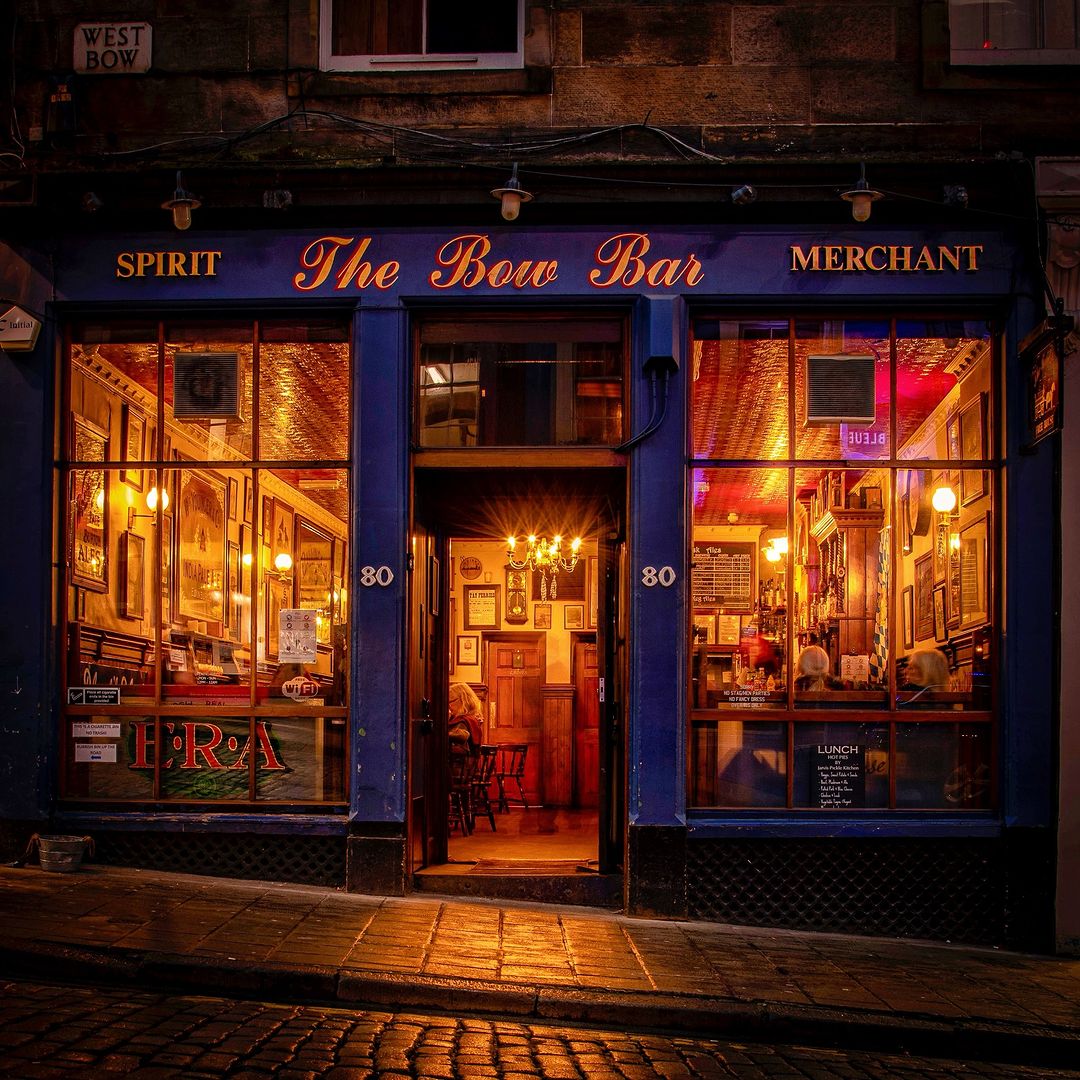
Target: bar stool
511, 766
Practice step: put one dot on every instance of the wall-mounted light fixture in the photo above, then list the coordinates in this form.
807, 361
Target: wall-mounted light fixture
744, 194
283, 563
181, 204
151, 505
861, 196
511, 196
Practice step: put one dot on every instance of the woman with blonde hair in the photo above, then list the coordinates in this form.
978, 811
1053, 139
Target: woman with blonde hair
812, 669
927, 669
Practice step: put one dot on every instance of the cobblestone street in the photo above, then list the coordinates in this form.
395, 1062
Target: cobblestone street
59, 1031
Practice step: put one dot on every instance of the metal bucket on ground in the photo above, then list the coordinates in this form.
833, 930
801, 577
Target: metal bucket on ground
62, 854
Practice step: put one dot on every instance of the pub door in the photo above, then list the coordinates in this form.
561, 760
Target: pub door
611, 699
427, 699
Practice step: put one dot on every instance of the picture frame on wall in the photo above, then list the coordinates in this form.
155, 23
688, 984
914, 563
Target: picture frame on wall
952, 435
88, 501
705, 629
468, 649
133, 434
248, 500
281, 539
940, 633
574, 617
924, 597
234, 607
132, 575
728, 629
593, 591
234, 499
973, 448
278, 597
907, 615
481, 607
974, 576
542, 616
201, 528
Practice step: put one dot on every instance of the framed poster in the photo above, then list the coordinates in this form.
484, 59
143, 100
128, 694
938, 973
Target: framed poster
705, 629
248, 500
481, 607
281, 542
974, 578
973, 448
594, 591
267, 523
728, 629
168, 581
133, 425
952, 436
939, 613
201, 547
234, 499
924, 597
314, 573
542, 616
235, 602
907, 614
468, 649
574, 617
277, 597
89, 507
132, 575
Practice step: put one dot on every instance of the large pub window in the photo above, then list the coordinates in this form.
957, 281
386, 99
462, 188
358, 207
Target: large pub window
842, 488
204, 466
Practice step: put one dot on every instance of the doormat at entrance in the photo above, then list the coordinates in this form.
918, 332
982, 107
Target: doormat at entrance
545, 867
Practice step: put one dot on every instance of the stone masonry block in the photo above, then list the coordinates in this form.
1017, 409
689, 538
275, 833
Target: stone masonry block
711, 95
567, 44
797, 34
188, 44
156, 107
633, 35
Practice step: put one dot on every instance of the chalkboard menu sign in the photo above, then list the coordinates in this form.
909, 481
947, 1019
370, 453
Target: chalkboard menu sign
722, 575
837, 776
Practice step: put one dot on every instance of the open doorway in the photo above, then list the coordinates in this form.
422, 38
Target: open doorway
521, 646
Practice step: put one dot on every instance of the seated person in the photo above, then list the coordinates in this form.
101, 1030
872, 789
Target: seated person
812, 670
466, 717
927, 669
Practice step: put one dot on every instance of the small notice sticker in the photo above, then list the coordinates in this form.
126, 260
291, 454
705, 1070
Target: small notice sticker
88, 730
93, 695
95, 751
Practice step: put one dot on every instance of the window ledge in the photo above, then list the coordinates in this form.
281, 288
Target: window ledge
397, 83
740, 825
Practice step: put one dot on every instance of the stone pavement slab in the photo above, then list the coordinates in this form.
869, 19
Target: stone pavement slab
289, 942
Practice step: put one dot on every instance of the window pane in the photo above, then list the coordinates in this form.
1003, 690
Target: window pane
739, 588
738, 763
521, 383
301, 759
480, 26
841, 766
842, 381
840, 587
208, 390
204, 758
110, 757
740, 390
943, 766
940, 366
304, 392
944, 588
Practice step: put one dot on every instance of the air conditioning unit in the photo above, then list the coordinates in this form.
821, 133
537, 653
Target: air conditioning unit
206, 386
840, 390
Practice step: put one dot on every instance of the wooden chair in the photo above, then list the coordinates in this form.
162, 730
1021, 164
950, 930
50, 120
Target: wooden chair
485, 772
462, 773
511, 766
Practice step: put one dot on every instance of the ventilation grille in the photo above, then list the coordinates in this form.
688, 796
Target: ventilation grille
943, 889
206, 386
303, 860
840, 389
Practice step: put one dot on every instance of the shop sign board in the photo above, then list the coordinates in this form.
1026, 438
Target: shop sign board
18, 330
113, 48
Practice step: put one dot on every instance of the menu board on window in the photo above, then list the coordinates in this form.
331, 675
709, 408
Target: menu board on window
837, 776
722, 575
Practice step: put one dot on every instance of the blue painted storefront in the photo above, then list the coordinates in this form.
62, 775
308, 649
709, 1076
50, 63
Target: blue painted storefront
665, 274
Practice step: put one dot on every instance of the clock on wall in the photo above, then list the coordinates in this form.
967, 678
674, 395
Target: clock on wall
470, 567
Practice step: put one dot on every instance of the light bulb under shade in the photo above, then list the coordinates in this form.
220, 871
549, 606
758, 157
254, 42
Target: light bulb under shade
282, 561
152, 499
511, 205
772, 554
944, 500
860, 206
181, 215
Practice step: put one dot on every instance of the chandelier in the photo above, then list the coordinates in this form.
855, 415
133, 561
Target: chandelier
544, 556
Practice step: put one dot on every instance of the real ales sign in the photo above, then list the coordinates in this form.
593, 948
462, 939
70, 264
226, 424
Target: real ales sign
112, 48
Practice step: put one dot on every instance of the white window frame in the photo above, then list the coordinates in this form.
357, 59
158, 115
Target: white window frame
1005, 57
328, 61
